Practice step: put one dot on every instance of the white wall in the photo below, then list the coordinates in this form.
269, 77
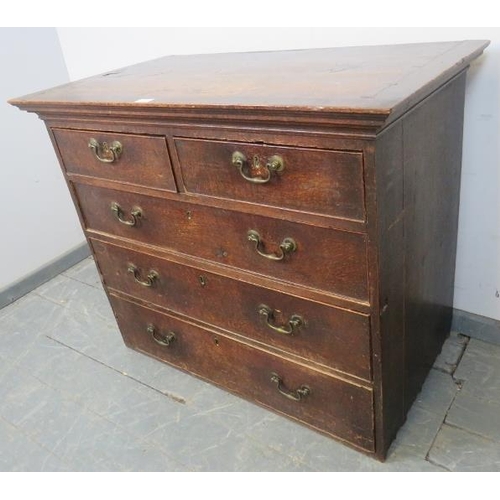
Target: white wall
38, 221
478, 262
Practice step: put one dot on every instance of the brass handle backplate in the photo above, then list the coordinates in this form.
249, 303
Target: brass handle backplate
150, 278
135, 214
293, 325
296, 395
164, 339
104, 152
262, 172
287, 246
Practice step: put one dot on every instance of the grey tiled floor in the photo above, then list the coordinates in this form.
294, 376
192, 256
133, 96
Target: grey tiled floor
73, 397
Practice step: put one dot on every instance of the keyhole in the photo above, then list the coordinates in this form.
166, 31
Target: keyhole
216, 341
203, 280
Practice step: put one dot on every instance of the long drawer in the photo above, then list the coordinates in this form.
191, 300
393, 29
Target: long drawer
326, 335
280, 176
331, 260
334, 406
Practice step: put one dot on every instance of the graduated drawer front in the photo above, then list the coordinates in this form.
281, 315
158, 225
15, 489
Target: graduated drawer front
326, 335
334, 261
333, 405
144, 160
335, 177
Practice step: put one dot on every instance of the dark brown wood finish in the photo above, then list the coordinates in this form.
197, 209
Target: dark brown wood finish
333, 406
432, 164
389, 361
307, 218
144, 160
371, 139
329, 336
418, 187
335, 177
371, 83
313, 294
221, 236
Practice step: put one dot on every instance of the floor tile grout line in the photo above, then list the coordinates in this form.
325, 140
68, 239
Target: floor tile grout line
80, 281
421, 406
427, 455
427, 458
496, 343
468, 431
454, 366
86, 408
83, 263
69, 308
30, 438
98, 287
464, 385
445, 469
462, 353
75, 401
10, 309
258, 442
441, 370
63, 274
297, 460
172, 397
95, 413
459, 384
48, 299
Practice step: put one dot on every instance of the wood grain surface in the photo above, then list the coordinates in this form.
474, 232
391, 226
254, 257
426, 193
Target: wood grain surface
221, 236
333, 406
335, 177
371, 139
329, 336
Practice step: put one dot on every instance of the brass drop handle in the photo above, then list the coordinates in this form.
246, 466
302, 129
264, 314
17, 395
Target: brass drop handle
293, 325
150, 278
135, 214
287, 246
164, 339
274, 164
296, 395
104, 152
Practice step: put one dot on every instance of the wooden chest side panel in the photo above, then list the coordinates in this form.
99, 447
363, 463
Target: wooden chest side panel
389, 179
432, 168
418, 182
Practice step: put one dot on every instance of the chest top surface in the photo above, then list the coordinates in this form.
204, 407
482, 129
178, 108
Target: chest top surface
376, 80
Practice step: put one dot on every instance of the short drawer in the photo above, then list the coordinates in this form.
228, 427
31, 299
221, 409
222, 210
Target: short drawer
134, 159
331, 405
321, 334
331, 260
277, 176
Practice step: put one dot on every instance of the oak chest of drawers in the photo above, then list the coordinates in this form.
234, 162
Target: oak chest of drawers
281, 224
